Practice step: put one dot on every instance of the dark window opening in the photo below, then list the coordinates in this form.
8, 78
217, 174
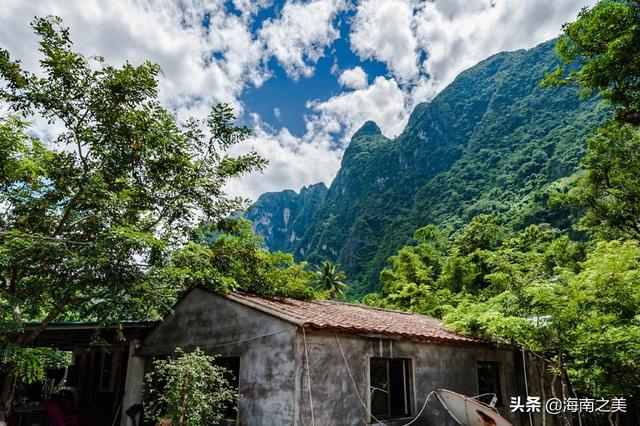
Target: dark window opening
232, 366
489, 382
389, 387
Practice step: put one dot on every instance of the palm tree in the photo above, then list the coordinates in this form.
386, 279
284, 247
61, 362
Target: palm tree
329, 279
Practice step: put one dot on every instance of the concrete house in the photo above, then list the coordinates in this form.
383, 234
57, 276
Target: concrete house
331, 363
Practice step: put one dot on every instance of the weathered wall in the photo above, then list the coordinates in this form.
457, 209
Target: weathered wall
273, 376
267, 369
434, 367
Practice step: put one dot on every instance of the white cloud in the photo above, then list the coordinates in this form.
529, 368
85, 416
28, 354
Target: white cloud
200, 67
354, 78
298, 38
251, 7
456, 34
293, 162
424, 45
383, 102
383, 30
449, 35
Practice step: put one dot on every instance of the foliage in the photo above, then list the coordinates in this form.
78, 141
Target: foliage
31, 363
587, 320
329, 279
573, 303
189, 389
90, 219
228, 256
606, 40
492, 142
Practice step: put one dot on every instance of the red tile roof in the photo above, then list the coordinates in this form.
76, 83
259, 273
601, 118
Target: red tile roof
354, 319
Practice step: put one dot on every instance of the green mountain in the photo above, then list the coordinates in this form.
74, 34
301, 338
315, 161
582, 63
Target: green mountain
493, 141
283, 218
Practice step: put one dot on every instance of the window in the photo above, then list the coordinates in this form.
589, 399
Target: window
489, 381
389, 387
232, 365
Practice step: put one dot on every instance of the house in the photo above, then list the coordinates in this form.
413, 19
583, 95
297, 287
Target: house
102, 360
331, 363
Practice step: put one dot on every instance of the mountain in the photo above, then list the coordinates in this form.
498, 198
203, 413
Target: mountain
493, 141
282, 218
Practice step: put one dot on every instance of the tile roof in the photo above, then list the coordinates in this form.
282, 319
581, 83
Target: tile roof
354, 319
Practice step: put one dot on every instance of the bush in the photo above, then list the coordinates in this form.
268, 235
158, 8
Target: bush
188, 390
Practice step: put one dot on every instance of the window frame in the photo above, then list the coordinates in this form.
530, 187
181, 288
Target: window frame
499, 392
237, 358
408, 388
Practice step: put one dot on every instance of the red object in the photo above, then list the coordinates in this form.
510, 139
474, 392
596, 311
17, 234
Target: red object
57, 417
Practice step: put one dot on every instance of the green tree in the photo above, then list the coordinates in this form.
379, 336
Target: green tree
189, 389
605, 40
89, 219
579, 315
482, 233
413, 280
601, 54
329, 279
229, 256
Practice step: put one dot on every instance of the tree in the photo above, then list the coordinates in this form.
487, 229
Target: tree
229, 256
601, 54
188, 389
89, 220
578, 314
605, 39
610, 187
329, 279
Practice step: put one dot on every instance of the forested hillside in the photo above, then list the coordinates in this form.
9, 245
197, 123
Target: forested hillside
283, 218
491, 142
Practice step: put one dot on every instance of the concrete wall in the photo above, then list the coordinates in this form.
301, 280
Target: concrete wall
273, 377
267, 378
434, 366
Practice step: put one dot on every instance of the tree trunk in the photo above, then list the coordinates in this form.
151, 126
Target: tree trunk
6, 397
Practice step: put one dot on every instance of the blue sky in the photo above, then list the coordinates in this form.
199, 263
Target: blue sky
305, 74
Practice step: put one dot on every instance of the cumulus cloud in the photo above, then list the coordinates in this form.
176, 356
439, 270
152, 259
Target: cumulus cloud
293, 162
201, 66
354, 78
424, 45
383, 102
299, 36
456, 34
383, 30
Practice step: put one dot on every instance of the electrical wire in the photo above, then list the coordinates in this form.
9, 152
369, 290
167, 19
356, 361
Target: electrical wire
306, 358
230, 343
421, 410
526, 383
355, 386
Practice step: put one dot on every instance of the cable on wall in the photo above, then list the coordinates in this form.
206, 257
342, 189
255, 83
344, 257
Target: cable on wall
355, 386
306, 359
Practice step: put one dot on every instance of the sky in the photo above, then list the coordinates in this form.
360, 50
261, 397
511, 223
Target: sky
305, 75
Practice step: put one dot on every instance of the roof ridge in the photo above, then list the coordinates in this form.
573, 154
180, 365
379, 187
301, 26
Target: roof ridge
352, 318
377, 308
333, 302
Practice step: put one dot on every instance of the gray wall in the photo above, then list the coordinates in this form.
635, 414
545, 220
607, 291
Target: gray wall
273, 376
267, 369
434, 366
